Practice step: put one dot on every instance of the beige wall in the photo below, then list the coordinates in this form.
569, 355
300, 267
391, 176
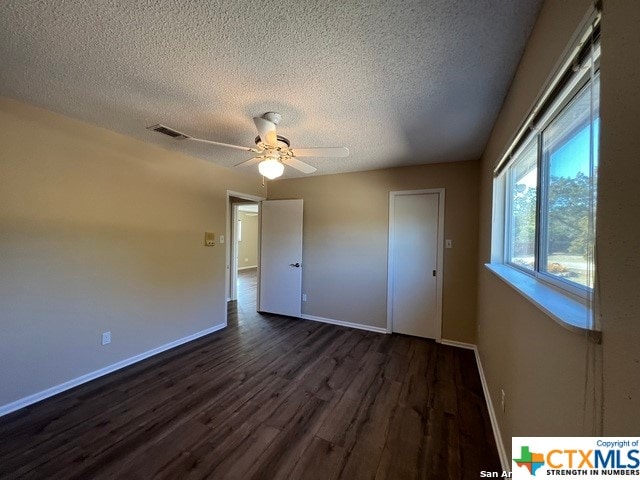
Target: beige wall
540, 364
346, 234
248, 247
101, 232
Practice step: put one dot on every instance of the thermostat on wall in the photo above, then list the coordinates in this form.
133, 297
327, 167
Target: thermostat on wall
209, 239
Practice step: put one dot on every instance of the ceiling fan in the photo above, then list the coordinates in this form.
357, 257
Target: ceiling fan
272, 151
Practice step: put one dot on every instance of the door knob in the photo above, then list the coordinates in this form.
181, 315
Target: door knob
297, 265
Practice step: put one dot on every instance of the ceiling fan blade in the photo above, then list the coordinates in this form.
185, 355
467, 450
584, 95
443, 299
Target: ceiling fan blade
220, 144
299, 165
247, 163
321, 152
173, 133
267, 131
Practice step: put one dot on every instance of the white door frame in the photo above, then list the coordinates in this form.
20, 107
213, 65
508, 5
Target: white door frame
439, 261
229, 248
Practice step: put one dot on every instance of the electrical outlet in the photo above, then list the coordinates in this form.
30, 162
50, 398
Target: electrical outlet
106, 338
502, 399
304, 297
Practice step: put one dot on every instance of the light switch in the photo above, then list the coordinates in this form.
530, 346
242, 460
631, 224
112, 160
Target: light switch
449, 244
209, 239
221, 238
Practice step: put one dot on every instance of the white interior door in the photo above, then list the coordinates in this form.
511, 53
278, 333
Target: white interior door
414, 257
281, 257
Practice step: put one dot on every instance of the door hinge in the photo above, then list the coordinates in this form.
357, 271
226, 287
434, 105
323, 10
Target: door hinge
434, 273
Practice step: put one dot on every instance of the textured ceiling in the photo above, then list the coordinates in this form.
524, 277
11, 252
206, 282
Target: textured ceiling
397, 82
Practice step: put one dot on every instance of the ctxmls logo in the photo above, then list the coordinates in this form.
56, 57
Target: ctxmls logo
531, 460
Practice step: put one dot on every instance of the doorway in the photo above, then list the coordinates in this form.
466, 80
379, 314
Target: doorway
242, 252
415, 263
246, 234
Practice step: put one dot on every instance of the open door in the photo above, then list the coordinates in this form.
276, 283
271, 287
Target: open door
281, 257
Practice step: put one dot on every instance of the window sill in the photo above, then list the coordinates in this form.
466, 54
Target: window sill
569, 313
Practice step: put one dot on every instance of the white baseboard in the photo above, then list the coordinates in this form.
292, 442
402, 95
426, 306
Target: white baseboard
49, 392
504, 460
247, 268
454, 343
344, 324
506, 463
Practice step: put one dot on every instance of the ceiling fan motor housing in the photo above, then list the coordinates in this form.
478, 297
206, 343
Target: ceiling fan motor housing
273, 117
283, 142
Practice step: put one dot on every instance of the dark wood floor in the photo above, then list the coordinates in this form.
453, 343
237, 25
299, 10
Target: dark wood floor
268, 397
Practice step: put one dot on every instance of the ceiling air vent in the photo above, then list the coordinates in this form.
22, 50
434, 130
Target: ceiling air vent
168, 131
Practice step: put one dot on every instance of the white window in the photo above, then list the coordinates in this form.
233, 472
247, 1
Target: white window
545, 189
551, 197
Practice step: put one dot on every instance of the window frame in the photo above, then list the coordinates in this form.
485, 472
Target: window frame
567, 302
569, 310
560, 100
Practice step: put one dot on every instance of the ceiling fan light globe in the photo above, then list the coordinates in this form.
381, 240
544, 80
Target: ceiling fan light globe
271, 168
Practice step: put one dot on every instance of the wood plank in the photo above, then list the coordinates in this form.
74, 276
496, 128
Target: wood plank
282, 454
321, 460
367, 436
238, 463
158, 453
